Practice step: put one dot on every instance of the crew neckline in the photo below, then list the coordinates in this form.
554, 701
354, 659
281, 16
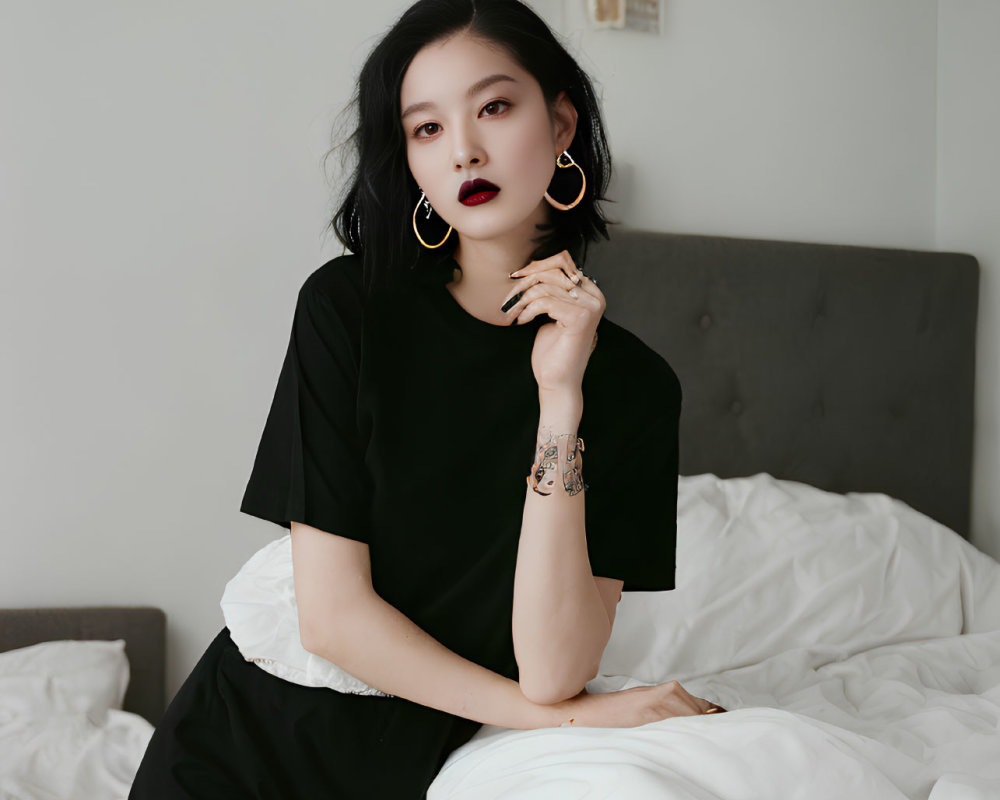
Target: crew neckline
459, 315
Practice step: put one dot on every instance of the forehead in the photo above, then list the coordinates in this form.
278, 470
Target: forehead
444, 71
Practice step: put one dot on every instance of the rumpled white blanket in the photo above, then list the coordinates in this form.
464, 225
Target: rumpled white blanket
855, 641
63, 733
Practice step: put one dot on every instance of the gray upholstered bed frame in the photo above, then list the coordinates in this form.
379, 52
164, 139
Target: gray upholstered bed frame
142, 627
848, 368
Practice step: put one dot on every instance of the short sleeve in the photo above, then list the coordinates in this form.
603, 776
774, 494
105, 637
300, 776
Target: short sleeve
631, 510
309, 465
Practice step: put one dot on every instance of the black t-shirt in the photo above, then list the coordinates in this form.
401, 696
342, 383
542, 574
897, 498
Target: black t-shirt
403, 421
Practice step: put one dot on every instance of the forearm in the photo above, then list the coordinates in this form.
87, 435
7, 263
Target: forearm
560, 625
383, 647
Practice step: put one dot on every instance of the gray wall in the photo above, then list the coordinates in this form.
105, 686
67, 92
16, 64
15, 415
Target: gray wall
968, 217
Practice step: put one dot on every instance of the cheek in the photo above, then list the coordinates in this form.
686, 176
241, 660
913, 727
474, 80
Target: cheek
532, 154
424, 161
418, 169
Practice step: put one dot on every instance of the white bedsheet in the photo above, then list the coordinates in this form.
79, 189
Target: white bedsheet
63, 734
70, 758
855, 642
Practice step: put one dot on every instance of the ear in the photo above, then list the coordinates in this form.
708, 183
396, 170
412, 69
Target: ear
564, 118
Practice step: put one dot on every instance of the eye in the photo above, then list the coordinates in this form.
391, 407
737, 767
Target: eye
493, 103
416, 131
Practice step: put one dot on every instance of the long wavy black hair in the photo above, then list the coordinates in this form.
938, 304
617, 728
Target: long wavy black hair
374, 219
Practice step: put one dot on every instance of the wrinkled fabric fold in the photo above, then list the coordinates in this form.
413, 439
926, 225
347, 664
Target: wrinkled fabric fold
260, 611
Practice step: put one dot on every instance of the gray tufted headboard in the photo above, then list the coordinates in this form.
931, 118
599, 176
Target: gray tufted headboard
142, 627
848, 368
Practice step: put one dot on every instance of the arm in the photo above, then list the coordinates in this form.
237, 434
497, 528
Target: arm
342, 619
562, 620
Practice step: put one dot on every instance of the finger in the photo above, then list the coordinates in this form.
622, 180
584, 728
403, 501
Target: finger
554, 277
562, 260
684, 705
708, 707
698, 705
515, 305
560, 268
586, 289
590, 286
566, 313
515, 302
540, 289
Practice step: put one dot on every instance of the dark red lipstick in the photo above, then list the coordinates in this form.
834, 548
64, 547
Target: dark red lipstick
477, 191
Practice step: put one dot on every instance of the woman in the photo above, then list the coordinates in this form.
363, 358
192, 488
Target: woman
432, 558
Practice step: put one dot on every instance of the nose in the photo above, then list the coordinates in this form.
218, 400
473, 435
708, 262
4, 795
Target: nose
467, 151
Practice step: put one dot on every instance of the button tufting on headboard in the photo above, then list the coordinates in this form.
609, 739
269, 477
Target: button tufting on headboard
821, 383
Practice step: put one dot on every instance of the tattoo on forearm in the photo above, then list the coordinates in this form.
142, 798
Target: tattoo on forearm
548, 465
544, 467
572, 479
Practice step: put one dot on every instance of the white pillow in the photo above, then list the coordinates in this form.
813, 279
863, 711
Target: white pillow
63, 677
766, 566
260, 611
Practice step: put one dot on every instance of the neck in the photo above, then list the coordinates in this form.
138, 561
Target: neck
487, 263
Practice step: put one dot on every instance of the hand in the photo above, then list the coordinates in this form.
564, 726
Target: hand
630, 708
555, 286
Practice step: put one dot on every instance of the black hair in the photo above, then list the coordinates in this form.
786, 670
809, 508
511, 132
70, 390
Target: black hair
374, 219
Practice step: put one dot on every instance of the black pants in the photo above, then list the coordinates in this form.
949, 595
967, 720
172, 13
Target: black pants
236, 731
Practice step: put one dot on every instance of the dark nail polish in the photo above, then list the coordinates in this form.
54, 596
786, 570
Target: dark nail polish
511, 302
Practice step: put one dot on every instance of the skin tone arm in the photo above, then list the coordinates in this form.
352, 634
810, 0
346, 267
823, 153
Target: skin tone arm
562, 618
560, 624
370, 639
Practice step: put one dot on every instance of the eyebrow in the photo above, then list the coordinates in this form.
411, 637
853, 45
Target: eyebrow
475, 89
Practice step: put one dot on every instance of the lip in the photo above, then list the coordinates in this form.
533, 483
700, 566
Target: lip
476, 186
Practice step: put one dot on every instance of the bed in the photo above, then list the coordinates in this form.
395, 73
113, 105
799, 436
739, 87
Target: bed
80, 691
828, 592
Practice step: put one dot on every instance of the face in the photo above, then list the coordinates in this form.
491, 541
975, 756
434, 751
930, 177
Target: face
501, 132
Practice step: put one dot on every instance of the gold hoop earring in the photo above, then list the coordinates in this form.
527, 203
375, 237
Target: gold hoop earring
427, 204
583, 187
